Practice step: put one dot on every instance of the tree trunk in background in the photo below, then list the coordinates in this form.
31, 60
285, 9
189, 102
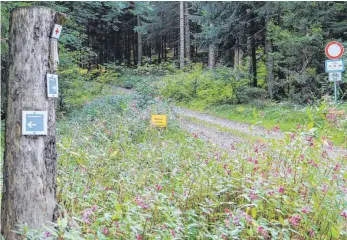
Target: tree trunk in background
30, 161
254, 66
211, 53
211, 56
128, 48
186, 31
238, 55
181, 34
134, 47
159, 50
269, 63
150, 53
139, 44
165, 52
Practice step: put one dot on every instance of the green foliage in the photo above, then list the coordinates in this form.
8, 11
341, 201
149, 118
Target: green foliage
76, 87
157, 70
323, 117
202, 87
118, 178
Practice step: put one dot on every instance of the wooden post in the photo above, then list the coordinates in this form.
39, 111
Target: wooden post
29, 187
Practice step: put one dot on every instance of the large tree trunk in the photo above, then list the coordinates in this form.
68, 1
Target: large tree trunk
30, 161
269, 63
181, 34
186, 31
211, 54
139, 43
238, 55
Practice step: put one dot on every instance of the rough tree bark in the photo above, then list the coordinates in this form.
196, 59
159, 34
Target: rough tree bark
30, 161
139, 43
186, 31
181, 34
211, 54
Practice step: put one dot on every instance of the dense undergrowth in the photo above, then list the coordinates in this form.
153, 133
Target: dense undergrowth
225, 93
119, 178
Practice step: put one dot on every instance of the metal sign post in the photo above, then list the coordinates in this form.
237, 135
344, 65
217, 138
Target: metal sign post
334, 50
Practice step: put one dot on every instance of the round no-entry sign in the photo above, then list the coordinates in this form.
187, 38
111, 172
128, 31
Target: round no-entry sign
334, 50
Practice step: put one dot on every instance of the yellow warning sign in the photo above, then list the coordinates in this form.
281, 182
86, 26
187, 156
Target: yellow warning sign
159, 120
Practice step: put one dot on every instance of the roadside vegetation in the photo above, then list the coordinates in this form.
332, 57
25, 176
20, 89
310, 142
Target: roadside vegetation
224, 93
120, 178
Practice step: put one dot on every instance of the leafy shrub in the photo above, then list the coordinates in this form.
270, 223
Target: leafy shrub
155, 69
219, 86
249, 94
76, 87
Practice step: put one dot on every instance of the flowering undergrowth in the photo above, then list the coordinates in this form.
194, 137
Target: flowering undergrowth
119, 178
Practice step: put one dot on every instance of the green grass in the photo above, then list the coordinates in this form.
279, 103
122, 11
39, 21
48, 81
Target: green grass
287, 116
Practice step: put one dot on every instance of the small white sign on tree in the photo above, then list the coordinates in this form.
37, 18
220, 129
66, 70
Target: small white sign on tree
56, 31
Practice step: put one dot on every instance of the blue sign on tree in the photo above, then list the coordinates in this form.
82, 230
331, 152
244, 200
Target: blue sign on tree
52, 85
34, 122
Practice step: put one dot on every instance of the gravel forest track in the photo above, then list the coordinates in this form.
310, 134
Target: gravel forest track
226, 133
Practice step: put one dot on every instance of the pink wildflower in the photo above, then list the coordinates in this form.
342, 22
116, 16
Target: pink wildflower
281, 190
311, 233
262, 231
248, 218
173, 232
87, 212
141, 203
256, 149
344, 215
306, 209
276, 128
253, 196
138, 237
227, 211
47, 235
337, 167
295, 220
105, 231
236, 220
292, 136
325, 188
94, 208
159, 187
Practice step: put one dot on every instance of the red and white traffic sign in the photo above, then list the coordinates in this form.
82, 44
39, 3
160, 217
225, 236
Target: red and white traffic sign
334, 50
56, 31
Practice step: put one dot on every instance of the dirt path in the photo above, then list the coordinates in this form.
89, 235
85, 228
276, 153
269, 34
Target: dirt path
226, 133
224, 123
